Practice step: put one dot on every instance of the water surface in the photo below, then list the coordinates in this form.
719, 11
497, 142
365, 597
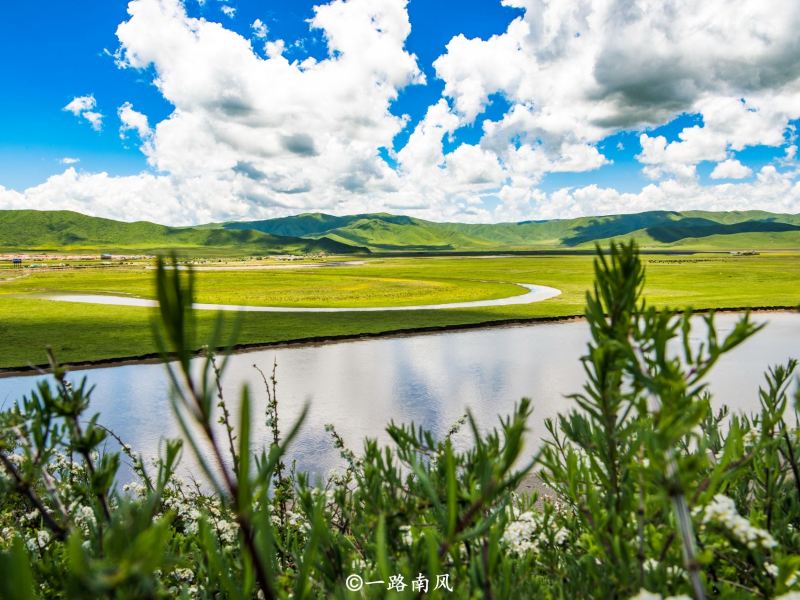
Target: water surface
430, 379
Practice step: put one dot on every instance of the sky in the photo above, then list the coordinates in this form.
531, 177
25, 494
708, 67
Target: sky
185, 111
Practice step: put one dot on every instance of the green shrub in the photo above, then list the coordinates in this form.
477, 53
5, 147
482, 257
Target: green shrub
644, 486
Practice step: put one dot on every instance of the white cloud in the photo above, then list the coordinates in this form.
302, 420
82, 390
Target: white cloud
80, 104
731, 169
294, 135
68, 160
771, 191
729, 124
83, 106
228, 11
133, 120
255, 135
259, 29
131, 198
165, 199
576, 72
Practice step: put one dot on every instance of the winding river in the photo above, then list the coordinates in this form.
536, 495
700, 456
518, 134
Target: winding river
535, 293
430, 379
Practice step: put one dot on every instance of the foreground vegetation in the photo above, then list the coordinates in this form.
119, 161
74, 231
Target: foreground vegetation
83, 332
649, 493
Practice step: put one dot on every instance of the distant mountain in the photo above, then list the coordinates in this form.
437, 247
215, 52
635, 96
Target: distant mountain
700, 230
381, 232
58, 231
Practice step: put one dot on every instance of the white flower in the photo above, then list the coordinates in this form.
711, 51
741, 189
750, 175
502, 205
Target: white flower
15, 459
227, 531
722, 510
561, 536
6, 535
519, 535
183, 574
651, 564
751, 437
674, 572
134, 489
40, 541
359, 565
645, 595
31, 516
407, 537
84, 518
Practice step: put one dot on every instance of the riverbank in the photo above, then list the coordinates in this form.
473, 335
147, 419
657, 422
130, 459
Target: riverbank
85, 333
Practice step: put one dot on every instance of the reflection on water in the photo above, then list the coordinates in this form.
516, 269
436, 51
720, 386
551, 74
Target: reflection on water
360, 386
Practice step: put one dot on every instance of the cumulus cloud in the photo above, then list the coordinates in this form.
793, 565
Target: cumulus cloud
69, 160
259, 29
84, 107
228, 11
130, 198
771, 190
132, 120
257, 135
731, 169
578, 71
314, 126
210, 199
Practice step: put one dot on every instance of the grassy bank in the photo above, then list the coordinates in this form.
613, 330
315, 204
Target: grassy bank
82, 332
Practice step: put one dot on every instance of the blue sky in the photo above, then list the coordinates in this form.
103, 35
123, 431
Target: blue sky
37, 133
552, 118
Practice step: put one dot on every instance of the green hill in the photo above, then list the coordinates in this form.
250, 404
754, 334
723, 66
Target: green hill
701, 230
60, 231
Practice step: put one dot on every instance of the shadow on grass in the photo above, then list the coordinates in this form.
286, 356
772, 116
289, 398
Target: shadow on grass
665, 228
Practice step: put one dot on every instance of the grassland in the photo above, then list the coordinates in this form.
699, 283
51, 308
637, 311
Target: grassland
82, 332
301, 287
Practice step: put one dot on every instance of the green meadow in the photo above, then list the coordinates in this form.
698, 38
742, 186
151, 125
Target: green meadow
85, 332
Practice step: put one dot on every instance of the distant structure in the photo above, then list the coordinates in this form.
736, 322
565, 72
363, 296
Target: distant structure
16, 263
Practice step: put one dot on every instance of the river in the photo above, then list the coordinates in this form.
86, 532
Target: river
430, 379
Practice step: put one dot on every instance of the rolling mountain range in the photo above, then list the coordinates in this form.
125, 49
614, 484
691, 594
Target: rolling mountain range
656, 229
57, 231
